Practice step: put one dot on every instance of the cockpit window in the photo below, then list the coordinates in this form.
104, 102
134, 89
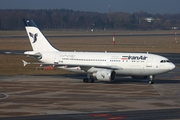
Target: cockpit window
165, 61
168, 61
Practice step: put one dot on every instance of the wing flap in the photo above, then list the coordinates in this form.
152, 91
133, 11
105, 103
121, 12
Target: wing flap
38, 63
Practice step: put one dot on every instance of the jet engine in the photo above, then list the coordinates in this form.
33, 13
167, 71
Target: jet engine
105, 75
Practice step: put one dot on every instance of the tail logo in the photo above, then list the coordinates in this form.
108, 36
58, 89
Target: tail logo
34, 36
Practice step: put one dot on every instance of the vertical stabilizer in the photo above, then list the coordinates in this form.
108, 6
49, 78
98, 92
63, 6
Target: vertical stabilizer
37, 39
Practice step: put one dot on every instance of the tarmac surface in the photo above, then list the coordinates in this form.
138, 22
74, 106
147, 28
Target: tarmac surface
66, 97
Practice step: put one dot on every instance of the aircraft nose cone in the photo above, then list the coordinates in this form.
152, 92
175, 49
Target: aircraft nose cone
172, 66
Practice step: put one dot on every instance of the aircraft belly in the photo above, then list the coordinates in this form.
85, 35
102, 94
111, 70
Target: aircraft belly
123, 72
136, 72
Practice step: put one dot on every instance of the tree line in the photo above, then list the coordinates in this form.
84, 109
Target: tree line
11, 19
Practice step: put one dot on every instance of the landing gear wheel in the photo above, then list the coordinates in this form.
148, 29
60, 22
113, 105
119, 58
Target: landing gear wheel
87, 80
151, 79
91, 80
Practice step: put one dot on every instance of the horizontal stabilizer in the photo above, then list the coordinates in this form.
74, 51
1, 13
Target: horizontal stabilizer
33, 53
25, 63
36, 55
38, 63
13, 53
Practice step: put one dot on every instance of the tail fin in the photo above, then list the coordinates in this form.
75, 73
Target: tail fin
37, 39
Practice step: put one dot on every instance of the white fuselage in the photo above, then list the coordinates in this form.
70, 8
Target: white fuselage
133, 64
102, 66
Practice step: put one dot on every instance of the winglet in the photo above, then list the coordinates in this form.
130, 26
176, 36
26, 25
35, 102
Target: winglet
24, 63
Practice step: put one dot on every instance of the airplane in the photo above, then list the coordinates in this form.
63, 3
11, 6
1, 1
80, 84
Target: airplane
101, 66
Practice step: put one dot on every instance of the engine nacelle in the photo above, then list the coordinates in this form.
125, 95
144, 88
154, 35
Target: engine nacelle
105, 75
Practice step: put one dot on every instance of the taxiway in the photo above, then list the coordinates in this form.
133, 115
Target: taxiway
67, 97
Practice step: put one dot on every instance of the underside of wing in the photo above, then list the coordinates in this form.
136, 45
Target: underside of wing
91, 68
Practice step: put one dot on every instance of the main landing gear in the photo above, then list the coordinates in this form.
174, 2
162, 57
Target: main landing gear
151, 79
89, 79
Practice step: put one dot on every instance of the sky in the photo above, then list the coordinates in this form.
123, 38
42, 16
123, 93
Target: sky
101, 6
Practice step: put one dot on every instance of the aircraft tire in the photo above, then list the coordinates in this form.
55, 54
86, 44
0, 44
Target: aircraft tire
151, 82
91, 81
151, 79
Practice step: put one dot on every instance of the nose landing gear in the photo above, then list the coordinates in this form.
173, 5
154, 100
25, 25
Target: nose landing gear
151, 79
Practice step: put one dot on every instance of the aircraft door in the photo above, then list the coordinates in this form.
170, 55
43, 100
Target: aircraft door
108, 61
149, 62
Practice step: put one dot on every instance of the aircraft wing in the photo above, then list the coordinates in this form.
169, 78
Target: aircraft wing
87, 67
83, 67
105, 67
21, 52
38, 63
